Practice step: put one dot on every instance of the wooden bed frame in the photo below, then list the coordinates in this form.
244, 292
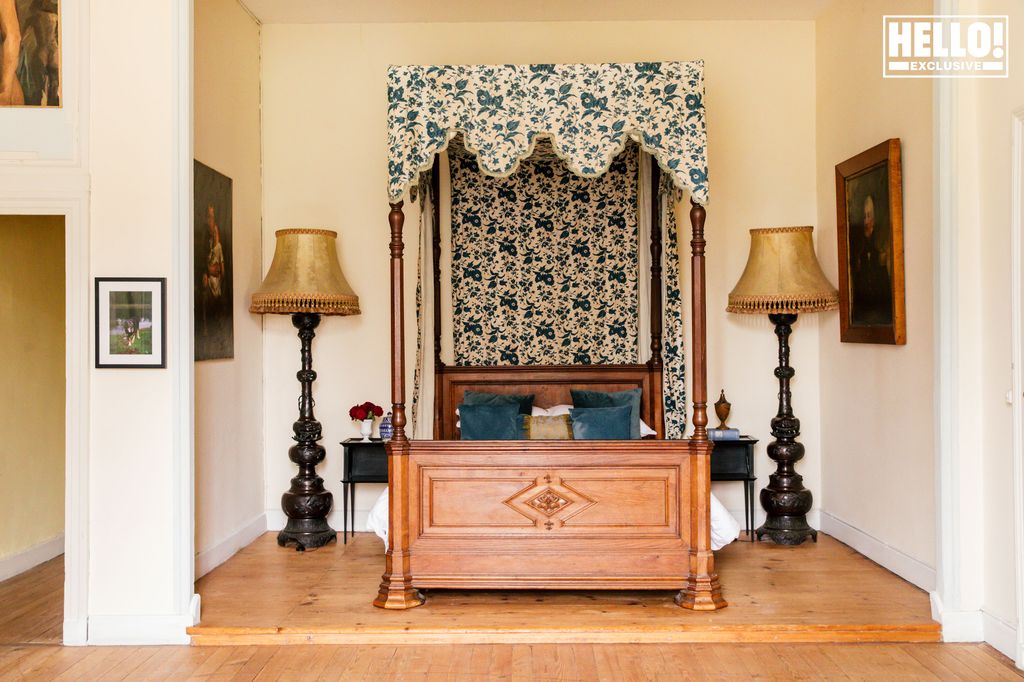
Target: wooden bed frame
551, 514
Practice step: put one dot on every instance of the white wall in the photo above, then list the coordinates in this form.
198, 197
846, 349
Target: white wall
138, 588
324, 108
229, 406
876, 400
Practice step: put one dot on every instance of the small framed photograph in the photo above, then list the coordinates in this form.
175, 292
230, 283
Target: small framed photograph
869, 207
131, 314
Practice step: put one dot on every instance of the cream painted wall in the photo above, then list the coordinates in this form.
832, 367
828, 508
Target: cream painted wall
32, 404
324, 108
877, 409
133, 145
229, 407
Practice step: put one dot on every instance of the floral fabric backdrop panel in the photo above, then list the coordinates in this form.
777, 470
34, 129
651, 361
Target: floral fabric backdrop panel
545, 266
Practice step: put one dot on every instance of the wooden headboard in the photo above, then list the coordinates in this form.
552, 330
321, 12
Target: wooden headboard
550, 386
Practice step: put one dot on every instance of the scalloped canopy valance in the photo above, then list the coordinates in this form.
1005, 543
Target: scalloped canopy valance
588, 110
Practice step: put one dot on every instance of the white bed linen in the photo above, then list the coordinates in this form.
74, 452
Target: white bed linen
724, 528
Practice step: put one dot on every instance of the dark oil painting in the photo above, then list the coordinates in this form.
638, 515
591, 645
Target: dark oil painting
213, 299
869, 198
30, 55
870, 247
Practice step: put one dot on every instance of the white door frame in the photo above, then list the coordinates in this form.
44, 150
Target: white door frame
1017, 334
70, 202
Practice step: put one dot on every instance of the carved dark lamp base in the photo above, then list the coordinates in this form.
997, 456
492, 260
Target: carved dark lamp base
785, 500
306, 503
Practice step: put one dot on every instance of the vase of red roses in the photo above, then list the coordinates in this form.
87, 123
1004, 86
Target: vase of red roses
365, 414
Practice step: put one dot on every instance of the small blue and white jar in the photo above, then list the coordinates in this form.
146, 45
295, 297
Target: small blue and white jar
387, 430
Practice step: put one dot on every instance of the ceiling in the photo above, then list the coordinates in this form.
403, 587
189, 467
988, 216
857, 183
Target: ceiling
417, 11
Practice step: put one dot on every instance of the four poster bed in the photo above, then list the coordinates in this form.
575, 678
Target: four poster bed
594, 514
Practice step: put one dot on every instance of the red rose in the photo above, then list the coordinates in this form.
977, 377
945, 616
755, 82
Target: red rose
366, 410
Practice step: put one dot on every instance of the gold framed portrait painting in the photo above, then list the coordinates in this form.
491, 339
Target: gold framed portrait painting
869, 207
30, 59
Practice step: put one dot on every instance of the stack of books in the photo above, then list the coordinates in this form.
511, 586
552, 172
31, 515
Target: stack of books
723, 434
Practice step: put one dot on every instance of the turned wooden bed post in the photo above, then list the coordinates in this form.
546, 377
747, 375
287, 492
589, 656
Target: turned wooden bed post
702, 591
656, 363
396, 590
435, 239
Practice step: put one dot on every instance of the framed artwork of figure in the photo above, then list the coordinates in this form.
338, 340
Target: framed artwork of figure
213, 262
30, 53
869, 203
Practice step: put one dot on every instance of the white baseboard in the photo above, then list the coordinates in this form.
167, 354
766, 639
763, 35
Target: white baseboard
139, 630
957, 626
903, 565
76, 632
211, 558
1000, 634
195, 608
15, 564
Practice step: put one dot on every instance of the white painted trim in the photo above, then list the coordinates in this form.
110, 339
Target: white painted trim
19, 562
181, 353
957, 626
138, 630
23, 192
887, 556
211, 558
1017, 374
1000, 634
945, 285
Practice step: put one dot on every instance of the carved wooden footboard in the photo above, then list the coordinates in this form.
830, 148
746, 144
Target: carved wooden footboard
553, 515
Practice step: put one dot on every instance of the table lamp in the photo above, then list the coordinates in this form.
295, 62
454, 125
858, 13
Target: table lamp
782, 279
305, 281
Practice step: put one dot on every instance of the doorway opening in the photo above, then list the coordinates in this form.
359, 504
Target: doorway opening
32, 428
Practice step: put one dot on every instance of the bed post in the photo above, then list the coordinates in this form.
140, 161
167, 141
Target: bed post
702, 591
435, 188
396, 590
656, 363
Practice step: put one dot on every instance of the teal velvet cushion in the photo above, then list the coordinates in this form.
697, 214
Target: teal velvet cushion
601, 423
489, 422
603, 399
522, 401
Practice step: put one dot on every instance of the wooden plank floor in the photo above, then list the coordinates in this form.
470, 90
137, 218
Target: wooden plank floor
32, 608
822, 592
527, 662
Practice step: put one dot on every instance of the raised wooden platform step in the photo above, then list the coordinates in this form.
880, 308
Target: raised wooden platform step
811, 593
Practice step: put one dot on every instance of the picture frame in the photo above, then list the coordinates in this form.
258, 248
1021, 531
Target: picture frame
38, 76
213, 263
131, 322
869, 217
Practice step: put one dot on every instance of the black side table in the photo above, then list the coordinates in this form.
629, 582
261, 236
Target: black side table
365, 462
733, 460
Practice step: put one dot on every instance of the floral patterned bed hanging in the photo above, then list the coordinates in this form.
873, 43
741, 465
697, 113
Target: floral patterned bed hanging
544, 263
588, 110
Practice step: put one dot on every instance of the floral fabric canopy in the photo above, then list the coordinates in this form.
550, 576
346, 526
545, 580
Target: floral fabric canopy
588, 110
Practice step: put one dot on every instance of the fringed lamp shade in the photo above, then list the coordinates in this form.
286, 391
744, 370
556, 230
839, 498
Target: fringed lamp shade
782, 275
305, 277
